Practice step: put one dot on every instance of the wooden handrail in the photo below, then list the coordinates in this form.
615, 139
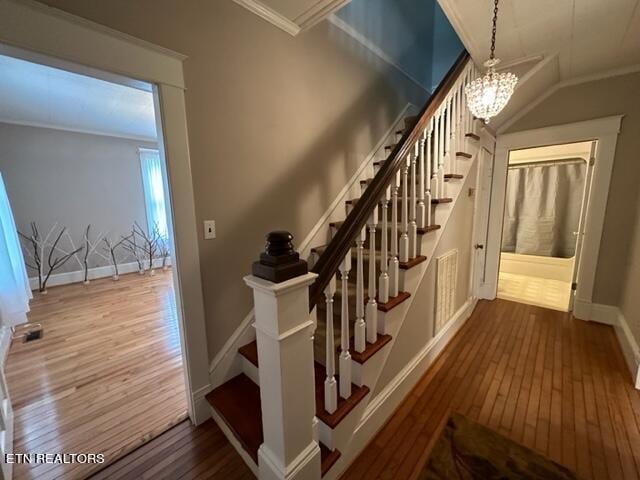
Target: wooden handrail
330, 260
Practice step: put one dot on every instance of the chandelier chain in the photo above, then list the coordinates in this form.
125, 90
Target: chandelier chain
495, 27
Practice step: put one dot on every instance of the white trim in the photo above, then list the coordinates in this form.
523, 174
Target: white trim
318, 12
244, 334
85, 131
31, 25
451, 12
605, 131
77, 276
364, 41
5, 344
270, 15
389, 399
202, 409
55, 36
611, 315
616, 72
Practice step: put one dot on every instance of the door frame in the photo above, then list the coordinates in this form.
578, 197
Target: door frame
46, 35
605, 131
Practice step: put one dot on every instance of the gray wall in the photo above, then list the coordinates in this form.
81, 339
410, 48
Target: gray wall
418, 326
618, 272
277, 126
73, 179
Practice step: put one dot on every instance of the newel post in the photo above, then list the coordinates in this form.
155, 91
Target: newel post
284, 328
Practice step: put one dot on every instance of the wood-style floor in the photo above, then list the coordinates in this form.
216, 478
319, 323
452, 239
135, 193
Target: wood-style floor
182, 453
106, 377
550, 382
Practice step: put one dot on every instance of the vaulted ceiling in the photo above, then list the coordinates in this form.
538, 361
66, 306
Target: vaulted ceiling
550, 40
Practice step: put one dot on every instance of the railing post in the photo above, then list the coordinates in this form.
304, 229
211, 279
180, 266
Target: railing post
404, 238
280, 284
371, 313
383, 285
413, 226
345, 356
394, 264
421, 212
428, 163
360, 329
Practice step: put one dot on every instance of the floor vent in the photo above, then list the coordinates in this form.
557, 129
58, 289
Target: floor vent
446, 279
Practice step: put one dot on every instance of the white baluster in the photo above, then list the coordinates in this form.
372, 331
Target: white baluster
421, 213
383, 286
360, 327
330, 385
454, 122
394, 264
441, 158
436, 155
345, 356
449, 154
413, 227
428, 163
372, 305
404, 204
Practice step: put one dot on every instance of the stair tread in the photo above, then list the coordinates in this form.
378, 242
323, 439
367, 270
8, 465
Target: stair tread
438, 201
370, 349
244, 418
413, 262
250, 352
463, 154
430, 228
327, 458
473, 136
394, 301
453, 175
345, 406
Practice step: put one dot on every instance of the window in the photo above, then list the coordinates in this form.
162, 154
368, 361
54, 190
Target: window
153, 187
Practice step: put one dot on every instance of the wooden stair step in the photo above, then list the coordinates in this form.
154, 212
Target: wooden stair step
430, 228
438, 201
457, 176
413, 262
463, 155
370, 349
345, 406
410, 121
327, 458
250, 352
473, 136
393, 301
238, 404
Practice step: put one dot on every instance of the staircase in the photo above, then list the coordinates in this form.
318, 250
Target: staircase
361, 285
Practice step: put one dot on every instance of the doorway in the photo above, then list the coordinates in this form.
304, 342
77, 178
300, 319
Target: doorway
547, 192
605, 132
98, 369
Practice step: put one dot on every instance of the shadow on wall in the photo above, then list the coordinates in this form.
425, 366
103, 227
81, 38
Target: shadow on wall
338, 150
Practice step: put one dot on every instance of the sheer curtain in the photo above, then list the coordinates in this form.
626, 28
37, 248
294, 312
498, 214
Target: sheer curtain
542, 209
14, 282
153, 187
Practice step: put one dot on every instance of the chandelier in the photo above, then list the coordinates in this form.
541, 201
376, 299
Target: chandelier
488, 95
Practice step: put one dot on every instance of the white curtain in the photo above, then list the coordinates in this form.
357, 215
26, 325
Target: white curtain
14, 282
153, 187
542, 209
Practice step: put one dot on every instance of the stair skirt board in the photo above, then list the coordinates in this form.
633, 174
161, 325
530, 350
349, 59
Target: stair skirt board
382, 406
225, 364
234, 441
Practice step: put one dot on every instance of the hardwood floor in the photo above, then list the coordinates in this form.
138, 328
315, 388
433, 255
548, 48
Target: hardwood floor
550, 382
106, 376
182, 453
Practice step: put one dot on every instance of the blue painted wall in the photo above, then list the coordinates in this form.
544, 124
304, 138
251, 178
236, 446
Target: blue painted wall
414, 34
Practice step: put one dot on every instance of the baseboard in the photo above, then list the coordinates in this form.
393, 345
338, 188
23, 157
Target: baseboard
201, 409
612, 315
77, 276
389, 399
5, 344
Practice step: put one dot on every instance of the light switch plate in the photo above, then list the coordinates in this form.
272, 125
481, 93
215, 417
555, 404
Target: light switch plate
209, 229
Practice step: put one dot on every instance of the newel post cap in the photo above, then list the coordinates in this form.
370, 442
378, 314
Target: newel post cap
279, 262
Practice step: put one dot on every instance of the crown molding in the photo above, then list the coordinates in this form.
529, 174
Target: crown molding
570, 82
85, 131
307, 19
271, 16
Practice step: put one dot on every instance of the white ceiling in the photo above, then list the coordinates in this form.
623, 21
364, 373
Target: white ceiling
568, 38
38, 95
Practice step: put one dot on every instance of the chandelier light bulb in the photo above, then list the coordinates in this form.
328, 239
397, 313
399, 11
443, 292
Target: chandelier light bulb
488, 95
